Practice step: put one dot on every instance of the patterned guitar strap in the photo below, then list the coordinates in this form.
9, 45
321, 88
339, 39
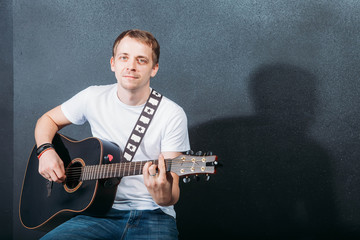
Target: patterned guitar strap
141, 125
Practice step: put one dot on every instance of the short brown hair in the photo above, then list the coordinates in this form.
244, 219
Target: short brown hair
142, 36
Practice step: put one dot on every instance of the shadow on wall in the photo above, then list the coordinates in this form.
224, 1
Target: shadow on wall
276, 181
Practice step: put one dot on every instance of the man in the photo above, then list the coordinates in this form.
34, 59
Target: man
143, 207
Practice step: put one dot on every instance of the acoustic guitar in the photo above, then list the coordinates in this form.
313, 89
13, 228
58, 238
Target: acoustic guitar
93, 171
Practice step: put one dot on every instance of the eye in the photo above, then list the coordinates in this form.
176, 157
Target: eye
123, 58
142, 61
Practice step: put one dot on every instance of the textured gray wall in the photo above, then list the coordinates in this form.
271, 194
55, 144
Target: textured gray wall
269, 86
6, 119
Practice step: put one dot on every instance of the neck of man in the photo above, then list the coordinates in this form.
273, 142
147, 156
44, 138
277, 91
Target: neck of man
133, 97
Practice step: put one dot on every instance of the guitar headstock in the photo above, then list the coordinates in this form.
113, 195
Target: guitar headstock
185, 165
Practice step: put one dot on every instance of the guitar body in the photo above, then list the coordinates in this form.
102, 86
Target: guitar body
44, 205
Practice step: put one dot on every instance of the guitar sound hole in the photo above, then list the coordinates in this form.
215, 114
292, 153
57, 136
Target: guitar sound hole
73, 174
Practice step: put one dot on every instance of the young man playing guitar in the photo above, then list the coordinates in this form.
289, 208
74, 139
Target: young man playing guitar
143, 206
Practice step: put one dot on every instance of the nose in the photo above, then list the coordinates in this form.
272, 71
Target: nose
131, 65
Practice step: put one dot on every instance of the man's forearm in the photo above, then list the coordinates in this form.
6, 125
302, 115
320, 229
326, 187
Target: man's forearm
49, 124
45, 130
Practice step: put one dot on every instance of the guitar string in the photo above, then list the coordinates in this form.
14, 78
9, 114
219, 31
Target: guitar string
129, 166
109, 169
95, 176
77, 177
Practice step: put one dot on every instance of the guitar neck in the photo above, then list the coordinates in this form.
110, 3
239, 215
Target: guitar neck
116, 170
182, 165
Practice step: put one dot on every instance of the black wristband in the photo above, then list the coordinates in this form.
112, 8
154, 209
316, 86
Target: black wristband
42, 147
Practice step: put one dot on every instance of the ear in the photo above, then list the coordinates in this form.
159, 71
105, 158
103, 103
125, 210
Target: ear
112, 64
154, 70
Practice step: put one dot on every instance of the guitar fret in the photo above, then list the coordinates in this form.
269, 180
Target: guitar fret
126, 170
107, 171
112, 171
128, 173
91, 172
141, 166
123, 174
82, 174
97, 173
103, 171
87, 173
120, 167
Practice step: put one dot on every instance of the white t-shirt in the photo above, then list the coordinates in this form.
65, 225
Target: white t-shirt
112, 120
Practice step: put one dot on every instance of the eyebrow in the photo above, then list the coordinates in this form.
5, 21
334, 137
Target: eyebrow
122, 54
140, 56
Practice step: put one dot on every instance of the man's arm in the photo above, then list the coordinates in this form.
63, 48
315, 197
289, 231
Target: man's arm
164, 186
51, 166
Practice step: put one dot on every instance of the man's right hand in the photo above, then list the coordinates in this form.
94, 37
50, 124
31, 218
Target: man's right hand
51, 166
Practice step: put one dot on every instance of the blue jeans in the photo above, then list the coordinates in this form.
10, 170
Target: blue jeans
134, 224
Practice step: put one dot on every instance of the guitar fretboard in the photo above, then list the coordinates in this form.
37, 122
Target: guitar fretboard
116, 170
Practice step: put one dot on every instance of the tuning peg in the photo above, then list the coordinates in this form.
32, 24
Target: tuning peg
196, 177
189, 152
199, 153
209, 153
207, 177
186, 179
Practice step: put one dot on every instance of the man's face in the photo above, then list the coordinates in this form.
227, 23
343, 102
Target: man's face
133, 64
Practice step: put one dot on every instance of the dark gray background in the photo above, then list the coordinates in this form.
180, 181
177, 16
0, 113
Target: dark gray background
272, 87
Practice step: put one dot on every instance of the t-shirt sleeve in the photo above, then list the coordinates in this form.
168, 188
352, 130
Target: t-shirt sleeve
75, 108
176, 137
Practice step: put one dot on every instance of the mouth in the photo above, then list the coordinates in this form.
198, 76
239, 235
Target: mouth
129, 76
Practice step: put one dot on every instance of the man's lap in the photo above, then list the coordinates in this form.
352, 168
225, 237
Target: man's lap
135, 224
